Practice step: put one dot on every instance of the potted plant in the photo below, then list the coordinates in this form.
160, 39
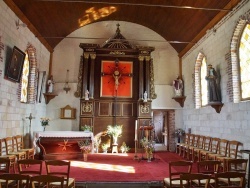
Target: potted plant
114, 132
105, 147
124, 148
86, 128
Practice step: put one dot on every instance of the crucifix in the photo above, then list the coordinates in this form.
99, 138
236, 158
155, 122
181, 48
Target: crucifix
30, 118
116, 74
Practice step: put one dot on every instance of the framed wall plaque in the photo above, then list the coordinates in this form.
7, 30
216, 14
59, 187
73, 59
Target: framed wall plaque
68, 113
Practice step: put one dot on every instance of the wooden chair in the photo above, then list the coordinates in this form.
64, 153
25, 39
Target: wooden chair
229, 176
176, 168
184, 147
233, 148
236, 165
194, 144
183, 144
208, 167
195, 152
35, 167
18, 143
4, 165
187, 180
60, 168
9, 144
206, 147
3, 154
213, 149
48, 181
222, 150
14, 180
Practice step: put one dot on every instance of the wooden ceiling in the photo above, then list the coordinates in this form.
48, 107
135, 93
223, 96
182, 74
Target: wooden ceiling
181, 22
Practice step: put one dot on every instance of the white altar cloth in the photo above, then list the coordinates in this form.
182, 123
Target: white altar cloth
68, 134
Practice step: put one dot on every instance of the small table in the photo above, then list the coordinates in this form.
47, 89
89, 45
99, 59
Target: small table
146, 130
247, 152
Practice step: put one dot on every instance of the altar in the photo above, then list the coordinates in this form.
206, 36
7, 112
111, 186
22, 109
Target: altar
61, 144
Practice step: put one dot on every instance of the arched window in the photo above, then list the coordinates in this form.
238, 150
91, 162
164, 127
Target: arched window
200, 83
244, 63
28, 86
204, 90
25, 79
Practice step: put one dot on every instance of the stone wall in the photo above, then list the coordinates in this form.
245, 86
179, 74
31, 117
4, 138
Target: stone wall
233, 122
13, 113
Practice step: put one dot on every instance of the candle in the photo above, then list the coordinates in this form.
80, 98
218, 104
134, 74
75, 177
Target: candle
135, 129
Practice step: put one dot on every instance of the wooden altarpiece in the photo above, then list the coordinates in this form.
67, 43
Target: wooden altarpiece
115, 75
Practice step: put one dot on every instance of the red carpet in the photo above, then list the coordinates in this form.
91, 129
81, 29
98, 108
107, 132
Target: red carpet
121, 168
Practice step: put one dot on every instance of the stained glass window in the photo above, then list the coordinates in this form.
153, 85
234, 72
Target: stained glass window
244, 59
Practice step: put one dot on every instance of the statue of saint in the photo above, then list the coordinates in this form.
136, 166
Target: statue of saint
212, 84
178, 86
50, 84
86, 95
145, 97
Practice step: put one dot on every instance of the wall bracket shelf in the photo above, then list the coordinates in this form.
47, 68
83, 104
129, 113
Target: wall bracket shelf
49, 96
180, 100
216, 105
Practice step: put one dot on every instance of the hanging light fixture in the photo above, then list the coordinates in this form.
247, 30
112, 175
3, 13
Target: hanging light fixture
66, 85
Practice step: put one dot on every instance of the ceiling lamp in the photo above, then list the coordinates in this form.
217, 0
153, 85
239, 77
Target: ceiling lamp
66, 85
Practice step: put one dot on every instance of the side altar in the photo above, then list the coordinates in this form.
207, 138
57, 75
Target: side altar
61, 144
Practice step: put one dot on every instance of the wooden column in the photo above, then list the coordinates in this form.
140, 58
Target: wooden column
141, 76
147, 76
92, 76
85, 73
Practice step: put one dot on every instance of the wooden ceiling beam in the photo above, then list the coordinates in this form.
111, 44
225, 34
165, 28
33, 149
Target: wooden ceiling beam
210, 25
26, 21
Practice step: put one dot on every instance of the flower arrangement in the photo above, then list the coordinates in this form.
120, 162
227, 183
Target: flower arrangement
85, 146
124, 148
105, 147
148, 147
86, 128
179, 132
114, 132
45, 121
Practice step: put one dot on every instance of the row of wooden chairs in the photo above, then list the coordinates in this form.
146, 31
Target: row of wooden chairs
33, 167
13, 149
26, 181
199, 147
207, 175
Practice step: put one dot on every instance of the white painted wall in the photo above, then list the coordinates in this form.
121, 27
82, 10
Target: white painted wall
67, 56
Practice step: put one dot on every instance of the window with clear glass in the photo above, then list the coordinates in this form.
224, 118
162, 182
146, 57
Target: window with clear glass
244, 63
25, 80
204, 91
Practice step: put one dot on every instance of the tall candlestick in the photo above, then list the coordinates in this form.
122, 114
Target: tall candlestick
135, 129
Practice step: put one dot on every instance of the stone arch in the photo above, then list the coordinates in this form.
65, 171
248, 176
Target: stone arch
197, 80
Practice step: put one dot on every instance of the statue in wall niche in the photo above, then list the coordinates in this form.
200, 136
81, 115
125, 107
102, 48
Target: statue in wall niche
213, 89
178, 86
50, 84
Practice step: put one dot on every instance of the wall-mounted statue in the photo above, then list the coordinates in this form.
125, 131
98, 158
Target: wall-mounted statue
50, 84
213, 89
178, 86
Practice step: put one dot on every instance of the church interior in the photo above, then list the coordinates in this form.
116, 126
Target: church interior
122, 75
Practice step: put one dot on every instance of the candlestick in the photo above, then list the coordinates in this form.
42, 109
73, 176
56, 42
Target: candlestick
135, 129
